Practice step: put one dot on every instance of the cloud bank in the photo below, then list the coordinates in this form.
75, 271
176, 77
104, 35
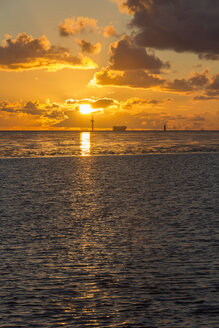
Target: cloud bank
132, 79
45, 112
26, 52
180, 25
145, 113
126, 55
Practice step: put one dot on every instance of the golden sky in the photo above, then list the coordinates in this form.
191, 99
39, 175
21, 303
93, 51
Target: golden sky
140, 63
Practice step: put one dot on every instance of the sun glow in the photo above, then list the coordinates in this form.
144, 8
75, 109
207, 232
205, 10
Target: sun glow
86, 109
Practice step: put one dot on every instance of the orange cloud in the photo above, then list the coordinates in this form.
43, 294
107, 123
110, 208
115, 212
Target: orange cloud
139, 102
142, 79
132, 79
100, 103
32, 107
89, 48
109, 31
122, 6
110, 103
26, 52
73, 26
44, 114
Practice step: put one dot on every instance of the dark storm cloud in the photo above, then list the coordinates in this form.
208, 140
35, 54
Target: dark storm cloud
126, 55
181, 25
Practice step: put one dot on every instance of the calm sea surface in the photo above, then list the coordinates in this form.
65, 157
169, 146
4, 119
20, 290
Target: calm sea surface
48, 144
111, 240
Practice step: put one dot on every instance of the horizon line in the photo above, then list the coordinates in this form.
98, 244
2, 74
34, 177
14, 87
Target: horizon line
110, 130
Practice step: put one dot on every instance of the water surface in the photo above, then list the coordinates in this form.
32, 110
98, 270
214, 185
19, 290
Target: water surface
109, 241
50, 144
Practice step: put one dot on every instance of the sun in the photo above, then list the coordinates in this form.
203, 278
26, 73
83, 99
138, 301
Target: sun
86, 109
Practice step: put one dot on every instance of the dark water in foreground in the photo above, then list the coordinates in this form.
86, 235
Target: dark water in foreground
109, 241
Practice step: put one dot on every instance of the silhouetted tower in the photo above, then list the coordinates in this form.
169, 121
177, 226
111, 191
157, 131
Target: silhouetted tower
165, 127
92, 122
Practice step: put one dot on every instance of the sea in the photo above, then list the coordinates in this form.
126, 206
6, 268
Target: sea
109, 229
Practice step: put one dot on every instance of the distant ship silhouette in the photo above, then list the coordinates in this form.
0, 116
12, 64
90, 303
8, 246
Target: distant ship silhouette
165, 127
119, 128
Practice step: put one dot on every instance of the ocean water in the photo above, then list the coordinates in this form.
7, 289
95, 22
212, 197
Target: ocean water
48, 144
110, 240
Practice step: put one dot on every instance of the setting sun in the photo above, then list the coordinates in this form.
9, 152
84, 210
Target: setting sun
86, 109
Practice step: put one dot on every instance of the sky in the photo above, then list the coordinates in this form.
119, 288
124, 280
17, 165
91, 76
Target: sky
139, 63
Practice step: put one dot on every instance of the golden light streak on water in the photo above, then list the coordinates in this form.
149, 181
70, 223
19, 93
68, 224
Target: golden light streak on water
85, 143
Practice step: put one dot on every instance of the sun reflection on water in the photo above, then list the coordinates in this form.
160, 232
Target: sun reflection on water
85, 143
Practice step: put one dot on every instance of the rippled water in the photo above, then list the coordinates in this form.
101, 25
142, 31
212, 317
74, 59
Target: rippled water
47, 144
109, 241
